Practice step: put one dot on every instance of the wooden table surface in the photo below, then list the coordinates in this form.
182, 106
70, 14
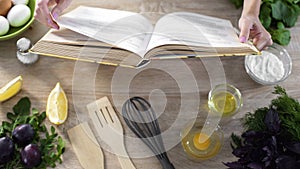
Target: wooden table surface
180, 81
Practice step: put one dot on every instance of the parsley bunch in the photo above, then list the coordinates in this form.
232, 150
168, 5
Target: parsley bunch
51, 145
276, 16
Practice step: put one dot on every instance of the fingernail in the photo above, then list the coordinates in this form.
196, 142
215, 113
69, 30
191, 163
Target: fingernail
243, 39
56, 27
55, 15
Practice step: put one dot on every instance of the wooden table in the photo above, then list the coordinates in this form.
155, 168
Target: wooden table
42, 76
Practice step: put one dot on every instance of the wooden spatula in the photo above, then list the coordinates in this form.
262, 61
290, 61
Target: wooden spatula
86, 147
110, 129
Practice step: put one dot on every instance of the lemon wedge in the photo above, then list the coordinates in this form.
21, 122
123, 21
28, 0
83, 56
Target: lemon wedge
11, 88
57, 105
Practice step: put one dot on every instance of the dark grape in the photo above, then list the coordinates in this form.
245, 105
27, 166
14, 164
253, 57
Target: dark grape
23, 134
31, 156
7, 149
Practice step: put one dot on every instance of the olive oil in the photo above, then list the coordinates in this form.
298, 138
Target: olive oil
224, 102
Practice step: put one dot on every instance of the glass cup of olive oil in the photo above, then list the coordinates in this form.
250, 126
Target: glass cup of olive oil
225, 99
199, 145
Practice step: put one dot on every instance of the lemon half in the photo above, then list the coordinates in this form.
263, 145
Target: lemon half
11, 88
57, 105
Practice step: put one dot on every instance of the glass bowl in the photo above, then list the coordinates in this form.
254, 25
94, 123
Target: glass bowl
13, 32
204, 147
281, 54
225, 100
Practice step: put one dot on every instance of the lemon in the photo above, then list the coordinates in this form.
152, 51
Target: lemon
57, 105
11, 88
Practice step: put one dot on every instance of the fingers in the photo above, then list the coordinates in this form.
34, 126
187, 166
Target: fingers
262, 41
61, 5
263, 38
43, 14
252, 28
245, 27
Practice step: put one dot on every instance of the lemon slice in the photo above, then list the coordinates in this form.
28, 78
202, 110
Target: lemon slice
57, 106
11, 88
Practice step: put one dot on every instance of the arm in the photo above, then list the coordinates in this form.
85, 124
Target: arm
47, 16
251, 27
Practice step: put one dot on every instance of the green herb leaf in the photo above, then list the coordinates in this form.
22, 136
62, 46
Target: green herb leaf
279, 10
291, 16
264, 15
236, 141
22, 107
11, 116
279, 90
280, 25
34, 111
255, 121
281, 36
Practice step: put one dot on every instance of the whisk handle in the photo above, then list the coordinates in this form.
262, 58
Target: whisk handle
166, 164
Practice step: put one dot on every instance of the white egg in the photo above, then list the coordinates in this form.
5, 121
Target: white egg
18, 15
16, 2
4, 25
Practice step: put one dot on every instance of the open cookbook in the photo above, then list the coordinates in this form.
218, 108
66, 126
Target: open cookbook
125, 38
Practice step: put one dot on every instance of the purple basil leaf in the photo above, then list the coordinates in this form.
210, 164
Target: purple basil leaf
267, 163
252, 134
241, 152
286, 162
267, 150
272, 121
293, 146
234, 165
252, 137
255, 165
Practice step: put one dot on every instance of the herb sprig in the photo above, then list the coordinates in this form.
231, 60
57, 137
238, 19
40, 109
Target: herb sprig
51, 145
276, 16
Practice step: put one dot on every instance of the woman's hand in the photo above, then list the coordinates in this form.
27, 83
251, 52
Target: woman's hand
48, 11
251, 28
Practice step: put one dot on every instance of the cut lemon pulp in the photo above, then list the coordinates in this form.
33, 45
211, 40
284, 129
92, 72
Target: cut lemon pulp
11, 88
57, 105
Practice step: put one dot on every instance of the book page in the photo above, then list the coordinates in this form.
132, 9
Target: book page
127, 30
193, 30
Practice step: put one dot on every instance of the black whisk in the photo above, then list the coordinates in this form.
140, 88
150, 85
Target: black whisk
141, 119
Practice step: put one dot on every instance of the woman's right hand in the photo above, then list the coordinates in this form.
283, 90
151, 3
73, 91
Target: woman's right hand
251, 28
48, 11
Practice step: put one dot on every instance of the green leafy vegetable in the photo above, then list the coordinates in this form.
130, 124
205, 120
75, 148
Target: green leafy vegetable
51, 145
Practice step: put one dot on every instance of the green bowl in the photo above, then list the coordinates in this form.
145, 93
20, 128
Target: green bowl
13, 32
